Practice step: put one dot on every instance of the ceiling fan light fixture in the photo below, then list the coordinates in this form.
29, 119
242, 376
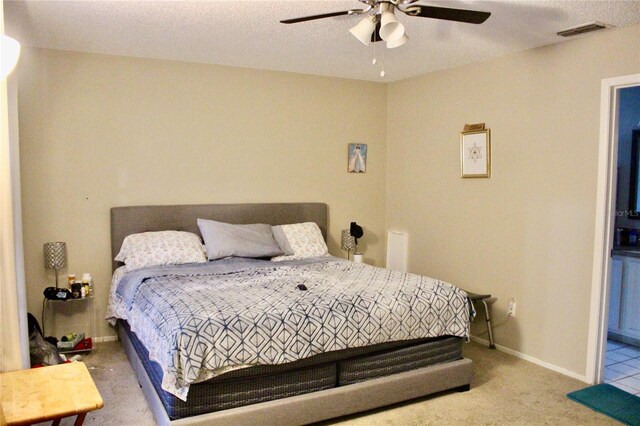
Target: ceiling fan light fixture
10, 52
363, 29
391, 28
392, 44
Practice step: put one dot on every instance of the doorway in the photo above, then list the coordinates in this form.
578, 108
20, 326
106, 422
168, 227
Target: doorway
622, 354
605, 223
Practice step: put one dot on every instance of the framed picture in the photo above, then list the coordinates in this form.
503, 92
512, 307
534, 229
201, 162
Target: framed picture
475, 153
357, 158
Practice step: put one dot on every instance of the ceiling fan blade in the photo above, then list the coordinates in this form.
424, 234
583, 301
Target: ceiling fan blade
458, 15
312, 17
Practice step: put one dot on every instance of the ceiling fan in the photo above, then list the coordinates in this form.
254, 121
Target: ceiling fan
379, 22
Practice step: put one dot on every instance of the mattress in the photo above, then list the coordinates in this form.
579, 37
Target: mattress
379, 364
269, 382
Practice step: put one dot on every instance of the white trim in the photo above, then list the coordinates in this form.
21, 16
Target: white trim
14, 339
105, 339
18, 242
533, 360
604, 223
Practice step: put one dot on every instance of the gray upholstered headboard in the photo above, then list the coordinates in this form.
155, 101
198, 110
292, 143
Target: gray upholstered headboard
135, 219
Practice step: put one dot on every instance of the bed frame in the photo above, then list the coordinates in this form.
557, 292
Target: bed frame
301, 409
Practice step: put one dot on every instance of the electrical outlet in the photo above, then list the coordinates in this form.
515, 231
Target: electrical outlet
511, 307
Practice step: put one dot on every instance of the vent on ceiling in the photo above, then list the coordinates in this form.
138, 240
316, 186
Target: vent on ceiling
581, 29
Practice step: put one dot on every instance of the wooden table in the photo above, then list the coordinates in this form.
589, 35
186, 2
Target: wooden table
48, 393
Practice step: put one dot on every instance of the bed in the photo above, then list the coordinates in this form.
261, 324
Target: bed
312, 384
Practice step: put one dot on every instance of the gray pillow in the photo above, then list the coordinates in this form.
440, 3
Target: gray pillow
282, 240
224, 240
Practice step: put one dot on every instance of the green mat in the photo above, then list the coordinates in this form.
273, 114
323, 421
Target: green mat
610, 400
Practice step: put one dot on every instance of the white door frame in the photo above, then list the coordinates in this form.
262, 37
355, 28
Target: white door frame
605, 221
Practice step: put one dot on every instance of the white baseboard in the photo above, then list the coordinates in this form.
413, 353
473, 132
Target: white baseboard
536, 361
105, 339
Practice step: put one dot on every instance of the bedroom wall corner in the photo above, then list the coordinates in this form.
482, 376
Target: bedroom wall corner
100, 131
527, 232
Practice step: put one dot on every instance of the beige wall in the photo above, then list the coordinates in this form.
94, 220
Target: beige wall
101, 131
528, 231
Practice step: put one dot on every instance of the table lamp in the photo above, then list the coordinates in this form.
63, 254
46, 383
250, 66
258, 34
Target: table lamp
55, 256
356, 232
348, 242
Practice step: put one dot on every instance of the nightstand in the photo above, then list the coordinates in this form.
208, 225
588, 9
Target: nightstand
80, 309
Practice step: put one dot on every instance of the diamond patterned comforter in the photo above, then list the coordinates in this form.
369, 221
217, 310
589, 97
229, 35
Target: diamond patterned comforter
200, 321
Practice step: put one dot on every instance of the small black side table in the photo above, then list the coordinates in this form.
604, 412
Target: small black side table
474, 297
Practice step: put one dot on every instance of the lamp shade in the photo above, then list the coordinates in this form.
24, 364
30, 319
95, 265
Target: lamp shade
55, 255
10, 54
363, 29
390, 28
348, 241
391, 44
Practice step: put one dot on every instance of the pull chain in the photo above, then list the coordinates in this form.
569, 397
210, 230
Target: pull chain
382, 73
374, 61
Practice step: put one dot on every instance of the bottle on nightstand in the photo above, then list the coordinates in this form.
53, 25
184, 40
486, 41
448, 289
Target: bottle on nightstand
87, 282
71, 278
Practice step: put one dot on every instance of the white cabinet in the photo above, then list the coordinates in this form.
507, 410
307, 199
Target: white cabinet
615, 293
624, 298
630, 301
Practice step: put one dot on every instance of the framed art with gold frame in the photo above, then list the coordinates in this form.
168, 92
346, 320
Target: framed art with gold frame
475, 154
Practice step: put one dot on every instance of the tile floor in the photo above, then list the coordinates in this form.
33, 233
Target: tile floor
623, 366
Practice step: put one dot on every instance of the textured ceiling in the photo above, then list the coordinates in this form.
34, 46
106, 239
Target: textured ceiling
248, 33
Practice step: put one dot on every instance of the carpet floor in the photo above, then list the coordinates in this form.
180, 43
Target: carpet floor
505, 391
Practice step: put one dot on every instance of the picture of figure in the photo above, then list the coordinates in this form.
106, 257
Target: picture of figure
357, 158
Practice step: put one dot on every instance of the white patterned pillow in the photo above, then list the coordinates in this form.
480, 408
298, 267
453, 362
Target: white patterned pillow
161, 248
305, 240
